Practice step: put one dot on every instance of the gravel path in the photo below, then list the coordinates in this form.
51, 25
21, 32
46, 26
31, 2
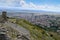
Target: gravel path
21, 30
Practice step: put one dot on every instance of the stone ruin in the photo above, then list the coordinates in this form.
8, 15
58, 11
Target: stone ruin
3, 17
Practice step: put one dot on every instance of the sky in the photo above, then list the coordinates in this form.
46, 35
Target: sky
47, 5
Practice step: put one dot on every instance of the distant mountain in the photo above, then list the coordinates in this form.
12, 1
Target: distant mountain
23, 11
19, 10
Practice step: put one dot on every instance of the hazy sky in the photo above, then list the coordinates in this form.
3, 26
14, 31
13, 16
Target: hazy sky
47, 5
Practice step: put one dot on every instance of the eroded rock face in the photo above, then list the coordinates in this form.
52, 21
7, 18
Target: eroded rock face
9, 33
3, 35
23, 37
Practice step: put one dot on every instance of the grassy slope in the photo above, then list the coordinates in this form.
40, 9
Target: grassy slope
36, 33
55, 35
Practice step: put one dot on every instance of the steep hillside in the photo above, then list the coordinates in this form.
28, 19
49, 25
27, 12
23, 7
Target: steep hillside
36, 33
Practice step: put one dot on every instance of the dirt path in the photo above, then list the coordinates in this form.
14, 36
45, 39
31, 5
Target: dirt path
21, 30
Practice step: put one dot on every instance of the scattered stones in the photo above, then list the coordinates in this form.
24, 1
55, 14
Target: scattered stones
3, 35
8, 33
